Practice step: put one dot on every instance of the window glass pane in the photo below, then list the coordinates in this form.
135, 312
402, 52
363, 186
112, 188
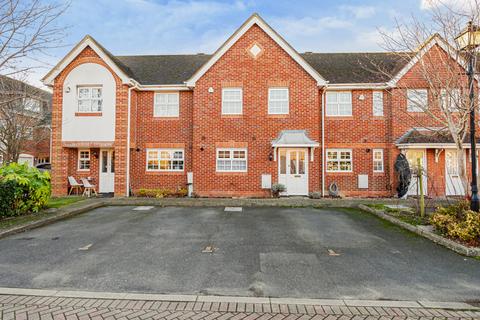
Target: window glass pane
104, 161
339, 104
83, 93
301, 162
166, 105
96, 92
112, 165
293, 162
283, 162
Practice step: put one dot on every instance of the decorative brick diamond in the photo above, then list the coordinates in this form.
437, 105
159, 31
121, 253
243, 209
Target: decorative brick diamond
255, 50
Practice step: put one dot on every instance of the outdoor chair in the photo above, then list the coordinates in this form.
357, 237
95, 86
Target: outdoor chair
74, 185
88, 188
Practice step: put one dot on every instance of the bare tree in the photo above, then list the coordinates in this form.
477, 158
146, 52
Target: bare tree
28, 29
24, 118
442, 70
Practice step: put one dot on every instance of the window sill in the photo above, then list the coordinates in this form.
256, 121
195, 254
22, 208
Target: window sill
340, 172
278, 116
167, 173
234, 116
88, 114
338, 117
166, 118
232, 173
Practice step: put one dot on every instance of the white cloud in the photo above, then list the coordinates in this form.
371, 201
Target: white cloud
359, 12
308, 26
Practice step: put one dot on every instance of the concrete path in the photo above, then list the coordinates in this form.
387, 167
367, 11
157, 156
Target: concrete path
50, 304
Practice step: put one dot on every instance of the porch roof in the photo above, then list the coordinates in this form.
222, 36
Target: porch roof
429, 137
294, 138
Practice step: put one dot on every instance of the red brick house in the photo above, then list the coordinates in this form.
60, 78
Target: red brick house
253, 113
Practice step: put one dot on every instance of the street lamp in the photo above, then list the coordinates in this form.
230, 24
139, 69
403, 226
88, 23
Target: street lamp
468, 40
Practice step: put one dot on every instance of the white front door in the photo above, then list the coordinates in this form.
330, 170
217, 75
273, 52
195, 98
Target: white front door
412, 157
293, 171
107, 171
453, 182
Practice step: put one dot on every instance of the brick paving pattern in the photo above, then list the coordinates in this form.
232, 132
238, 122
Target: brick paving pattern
42, 307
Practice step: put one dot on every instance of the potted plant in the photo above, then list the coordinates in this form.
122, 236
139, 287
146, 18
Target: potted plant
277, 188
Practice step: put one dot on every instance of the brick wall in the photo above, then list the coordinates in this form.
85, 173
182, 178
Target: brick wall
61, 156
159, 132
255, 128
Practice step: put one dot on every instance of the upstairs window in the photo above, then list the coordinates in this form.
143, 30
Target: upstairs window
165, 159
339, 103
83, 160
231, 160
278, 101
417, 100
166, 105
232, 101
450, 99
89, 99
377, 97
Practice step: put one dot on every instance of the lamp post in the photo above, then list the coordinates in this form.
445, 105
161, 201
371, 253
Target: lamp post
468, 40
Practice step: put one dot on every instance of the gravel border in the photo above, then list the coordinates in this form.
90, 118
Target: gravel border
425, 232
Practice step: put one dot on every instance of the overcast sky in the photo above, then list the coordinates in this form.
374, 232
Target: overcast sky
129, 27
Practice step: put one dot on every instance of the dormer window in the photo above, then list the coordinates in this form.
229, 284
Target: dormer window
90, 99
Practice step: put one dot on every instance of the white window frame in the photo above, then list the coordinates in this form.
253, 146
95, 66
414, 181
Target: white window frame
84, 160
338, 160
271, 100
332, 109
162, 110
455, 93
170, 159
231, 158
375, 161
90, 98
224, 101
377, 103
413, 100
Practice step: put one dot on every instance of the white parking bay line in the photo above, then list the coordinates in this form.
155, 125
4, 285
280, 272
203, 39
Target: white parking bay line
143, 208
233, 209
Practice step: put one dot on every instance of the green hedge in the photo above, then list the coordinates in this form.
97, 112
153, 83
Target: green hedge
22, 190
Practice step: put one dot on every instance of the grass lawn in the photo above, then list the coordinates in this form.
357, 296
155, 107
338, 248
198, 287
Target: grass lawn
52, 203
58, 202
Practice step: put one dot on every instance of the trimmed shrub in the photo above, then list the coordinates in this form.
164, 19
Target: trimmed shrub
458, 222
30, 189
162, 193
10, 197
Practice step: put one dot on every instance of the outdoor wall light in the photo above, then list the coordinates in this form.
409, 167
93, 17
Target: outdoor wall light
210, 90
138, 149
367, 150
361, 97
67, 90
270, 156
95, 154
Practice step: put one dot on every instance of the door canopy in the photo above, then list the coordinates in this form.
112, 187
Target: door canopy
294, 138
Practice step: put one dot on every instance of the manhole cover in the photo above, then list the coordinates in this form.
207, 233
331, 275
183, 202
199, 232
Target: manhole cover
143, 208
233, 209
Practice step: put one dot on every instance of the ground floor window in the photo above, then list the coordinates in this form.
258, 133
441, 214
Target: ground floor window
84, 160
339, 160
165, 160
377, 160
232, 160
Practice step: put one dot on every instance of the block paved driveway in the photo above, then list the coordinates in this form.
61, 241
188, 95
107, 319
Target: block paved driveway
278, 252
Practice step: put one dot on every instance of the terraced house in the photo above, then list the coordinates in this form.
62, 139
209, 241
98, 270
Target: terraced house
253, 113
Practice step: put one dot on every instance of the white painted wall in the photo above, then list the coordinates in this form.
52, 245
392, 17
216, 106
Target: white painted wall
88, 128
